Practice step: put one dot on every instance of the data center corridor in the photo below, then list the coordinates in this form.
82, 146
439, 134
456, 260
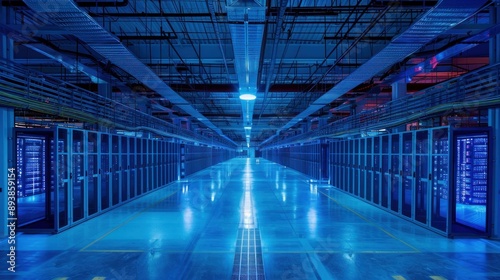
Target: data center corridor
251, 219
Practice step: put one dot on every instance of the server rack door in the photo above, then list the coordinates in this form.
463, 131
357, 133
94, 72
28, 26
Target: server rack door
78, 188
35, 178
124, 167
170, 173
63, 179
376, 170
471, 182
331, 163
440, 179
395, 196
422, 176
369, 169
147, 164
408, 175
133, 168
341, 165
386, 172
93, 173
350, 164
139, 184
355, 167
116, 172
105, 172
362, 167
161, 169
154, 167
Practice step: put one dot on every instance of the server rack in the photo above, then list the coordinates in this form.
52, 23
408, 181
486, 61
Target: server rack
89, 172
409, 174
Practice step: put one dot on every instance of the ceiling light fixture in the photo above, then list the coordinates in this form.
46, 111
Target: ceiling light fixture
248, 96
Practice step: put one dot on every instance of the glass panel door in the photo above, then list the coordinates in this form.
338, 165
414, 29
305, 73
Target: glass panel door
93, 173
63, 177
133, 167
408, 174
440, 179
369, 171
34, 192
376, 170
105, 171
124, 167
386, 175
362, 169
422, 176
396, 172
78, 175
115, 169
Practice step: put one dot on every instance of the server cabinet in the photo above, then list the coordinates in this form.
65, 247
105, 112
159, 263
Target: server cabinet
145, 164
133, 167
93, 182
408, 175
78, 175
63, 179
124, 168
385, 172
396, 172
356, 167
376, 170
422, 176
105, 172
362, 167
139, 164
369, 169
115, 169
350, 167
440, 179
471, 182
35, 178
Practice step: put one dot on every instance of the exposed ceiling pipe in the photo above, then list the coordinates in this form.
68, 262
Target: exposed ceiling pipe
277, 35
216, 27
69, 16
247, 19
444, 16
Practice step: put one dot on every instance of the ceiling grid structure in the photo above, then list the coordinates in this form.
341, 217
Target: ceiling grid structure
304, 59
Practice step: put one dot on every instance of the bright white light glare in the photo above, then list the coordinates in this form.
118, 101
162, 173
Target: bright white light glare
247, 96
247, 127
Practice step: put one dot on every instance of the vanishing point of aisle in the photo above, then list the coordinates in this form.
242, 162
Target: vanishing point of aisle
250, 219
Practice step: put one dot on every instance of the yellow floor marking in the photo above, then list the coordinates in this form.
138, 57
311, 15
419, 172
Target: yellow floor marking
437, 278
127, 221
99, 278
398, 277
370, 222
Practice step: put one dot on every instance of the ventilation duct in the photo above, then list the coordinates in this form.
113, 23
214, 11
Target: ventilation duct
67, 15
247, 29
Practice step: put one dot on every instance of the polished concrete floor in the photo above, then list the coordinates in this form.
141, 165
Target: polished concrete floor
250, 219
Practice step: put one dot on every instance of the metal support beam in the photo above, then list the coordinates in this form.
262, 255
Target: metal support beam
494, 122
6, 162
